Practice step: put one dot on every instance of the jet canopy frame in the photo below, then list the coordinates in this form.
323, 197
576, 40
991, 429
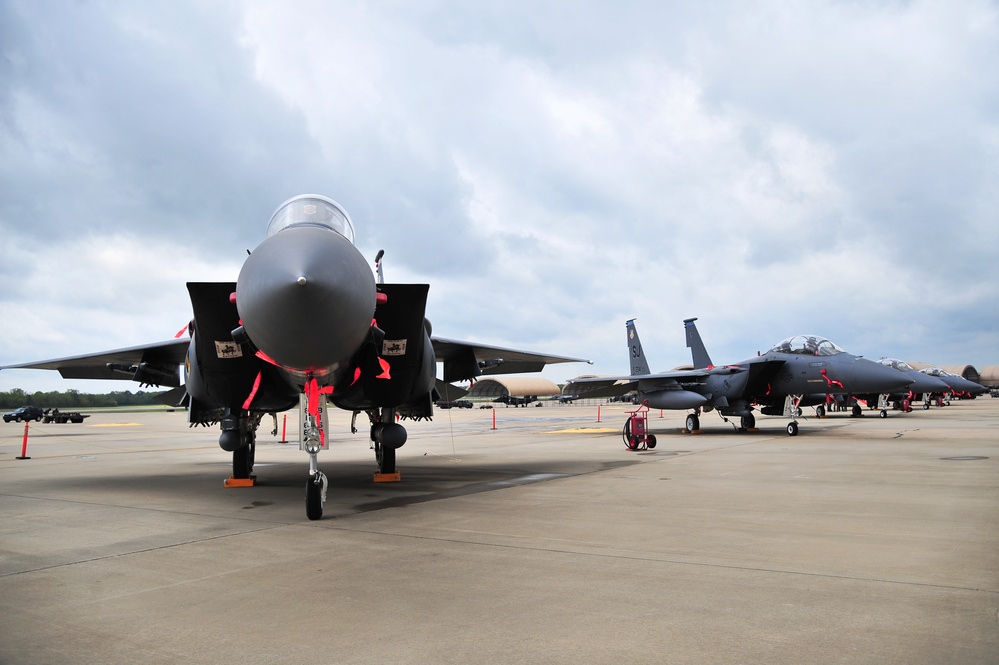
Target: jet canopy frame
807, 345
311, 210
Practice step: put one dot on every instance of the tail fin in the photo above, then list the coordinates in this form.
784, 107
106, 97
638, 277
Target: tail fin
636, 356
697, 351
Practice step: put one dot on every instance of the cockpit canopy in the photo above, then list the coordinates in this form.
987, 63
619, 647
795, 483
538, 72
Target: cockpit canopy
900, 365
807, 345
936, 371
311, 210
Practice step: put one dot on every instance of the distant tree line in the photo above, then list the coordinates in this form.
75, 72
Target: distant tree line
71, 399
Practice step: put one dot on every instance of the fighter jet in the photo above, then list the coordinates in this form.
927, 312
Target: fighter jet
796, 372
922, 384
305, 323
957, 386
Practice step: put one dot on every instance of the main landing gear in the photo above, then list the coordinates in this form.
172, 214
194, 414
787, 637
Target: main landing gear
693, 423
239, 436
387, 436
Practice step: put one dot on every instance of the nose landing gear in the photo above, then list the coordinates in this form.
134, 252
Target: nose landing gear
313, 440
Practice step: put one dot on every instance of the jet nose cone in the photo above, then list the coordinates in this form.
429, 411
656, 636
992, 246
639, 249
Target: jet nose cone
961, 384
306, 297
924, 383
871, 377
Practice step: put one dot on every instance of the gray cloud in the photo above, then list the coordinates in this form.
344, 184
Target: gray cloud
550, 168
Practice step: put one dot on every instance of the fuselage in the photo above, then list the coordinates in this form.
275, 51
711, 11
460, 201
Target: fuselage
957, 385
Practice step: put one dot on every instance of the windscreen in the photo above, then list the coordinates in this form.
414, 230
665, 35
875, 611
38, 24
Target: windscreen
900, 365
311, 210
807, 345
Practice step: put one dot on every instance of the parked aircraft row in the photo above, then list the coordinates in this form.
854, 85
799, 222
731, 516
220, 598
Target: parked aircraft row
307, 323
805, 370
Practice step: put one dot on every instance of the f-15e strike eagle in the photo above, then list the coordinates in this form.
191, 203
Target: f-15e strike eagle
799, 371
304, 324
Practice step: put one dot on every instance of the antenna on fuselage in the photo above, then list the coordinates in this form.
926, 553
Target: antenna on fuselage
378, 266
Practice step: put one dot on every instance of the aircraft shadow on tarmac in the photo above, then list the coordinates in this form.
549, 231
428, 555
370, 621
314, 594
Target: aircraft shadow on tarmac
198, 488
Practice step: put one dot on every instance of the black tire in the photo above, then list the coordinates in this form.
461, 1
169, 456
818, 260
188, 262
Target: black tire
693, 423
748, 422
241, 463
792, 428
650, 441
385, 457
884, 413
313, 499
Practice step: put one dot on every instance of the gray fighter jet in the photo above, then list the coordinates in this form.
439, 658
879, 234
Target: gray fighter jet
796, 372
923, 384
957, 386
304, 324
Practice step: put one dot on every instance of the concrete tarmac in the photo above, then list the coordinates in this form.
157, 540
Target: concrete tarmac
861, 540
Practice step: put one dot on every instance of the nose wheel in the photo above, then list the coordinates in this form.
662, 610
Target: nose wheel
315, 495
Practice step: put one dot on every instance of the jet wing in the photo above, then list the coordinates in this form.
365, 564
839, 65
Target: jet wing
600, 386
468, 360
155, 364
612, 386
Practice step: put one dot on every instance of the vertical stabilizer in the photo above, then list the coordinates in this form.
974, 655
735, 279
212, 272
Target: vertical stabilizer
636, 356
698, 353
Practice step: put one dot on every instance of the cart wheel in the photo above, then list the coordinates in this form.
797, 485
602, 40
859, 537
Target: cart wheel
650, 441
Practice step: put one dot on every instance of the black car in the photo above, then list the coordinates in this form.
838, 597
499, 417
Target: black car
457, 404
24, 413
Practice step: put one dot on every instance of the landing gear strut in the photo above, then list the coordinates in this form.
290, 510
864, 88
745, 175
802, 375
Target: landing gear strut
313, 440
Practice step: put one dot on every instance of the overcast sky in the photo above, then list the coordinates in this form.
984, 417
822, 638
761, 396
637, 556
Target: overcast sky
551, 169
